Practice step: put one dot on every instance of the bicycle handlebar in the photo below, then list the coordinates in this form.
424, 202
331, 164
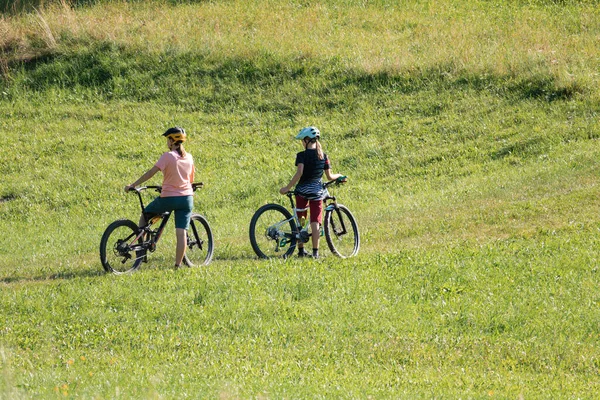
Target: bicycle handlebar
339, 181
195, 186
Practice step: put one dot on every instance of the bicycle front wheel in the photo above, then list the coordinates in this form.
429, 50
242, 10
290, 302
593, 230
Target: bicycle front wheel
200, 244
272, 232
120, 252
341, 232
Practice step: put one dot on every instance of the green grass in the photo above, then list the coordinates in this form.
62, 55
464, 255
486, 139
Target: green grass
469, 132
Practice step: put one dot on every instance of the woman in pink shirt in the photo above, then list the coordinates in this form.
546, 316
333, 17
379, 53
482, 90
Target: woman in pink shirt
177, 167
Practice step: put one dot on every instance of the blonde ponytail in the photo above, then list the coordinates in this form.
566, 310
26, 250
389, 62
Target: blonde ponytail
180, 149
320, 150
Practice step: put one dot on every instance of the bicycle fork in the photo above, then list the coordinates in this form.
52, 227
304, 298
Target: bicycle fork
198, 242
339, 231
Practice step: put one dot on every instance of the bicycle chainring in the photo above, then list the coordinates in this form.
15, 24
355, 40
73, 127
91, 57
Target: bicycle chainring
304, 236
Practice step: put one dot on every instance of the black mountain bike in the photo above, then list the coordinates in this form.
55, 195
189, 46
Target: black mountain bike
275, 231
124, 245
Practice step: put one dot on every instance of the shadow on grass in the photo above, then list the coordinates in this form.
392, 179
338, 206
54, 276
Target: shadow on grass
235, 257
530, 146
99, 272
61, 275
24, 6
117, 72
68, 275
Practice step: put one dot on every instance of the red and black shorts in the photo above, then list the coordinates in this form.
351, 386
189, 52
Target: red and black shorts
315, 206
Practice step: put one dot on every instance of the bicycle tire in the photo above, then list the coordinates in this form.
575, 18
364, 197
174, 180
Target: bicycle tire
338, 221
272, 226
116, 255
200, 244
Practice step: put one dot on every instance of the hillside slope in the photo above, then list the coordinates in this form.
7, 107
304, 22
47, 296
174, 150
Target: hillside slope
469, 132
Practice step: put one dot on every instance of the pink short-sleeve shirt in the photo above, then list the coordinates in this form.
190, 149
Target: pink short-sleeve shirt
178, 174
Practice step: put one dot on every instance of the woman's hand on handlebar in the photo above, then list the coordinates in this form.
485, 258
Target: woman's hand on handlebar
284, 190
129, 188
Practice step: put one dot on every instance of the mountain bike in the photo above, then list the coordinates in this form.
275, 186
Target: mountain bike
275, 231
124, 245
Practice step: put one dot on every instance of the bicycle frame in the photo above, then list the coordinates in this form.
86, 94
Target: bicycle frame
154, 235
327, 207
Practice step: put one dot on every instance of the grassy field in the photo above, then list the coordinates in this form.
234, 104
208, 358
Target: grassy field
469, 131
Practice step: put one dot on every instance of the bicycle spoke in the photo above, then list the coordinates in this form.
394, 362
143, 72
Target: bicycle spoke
116, 253
341, 232
199, 242
272, 232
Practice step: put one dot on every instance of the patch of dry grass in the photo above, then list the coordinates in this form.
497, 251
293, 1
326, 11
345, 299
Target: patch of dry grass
478, 37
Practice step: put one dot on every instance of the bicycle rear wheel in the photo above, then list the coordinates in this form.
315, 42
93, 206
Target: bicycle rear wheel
200, 245
120, 253
341, 232
272, 232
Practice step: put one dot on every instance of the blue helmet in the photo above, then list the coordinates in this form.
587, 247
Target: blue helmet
310, 132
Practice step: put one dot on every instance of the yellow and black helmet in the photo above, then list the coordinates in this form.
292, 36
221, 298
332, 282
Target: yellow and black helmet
176, 134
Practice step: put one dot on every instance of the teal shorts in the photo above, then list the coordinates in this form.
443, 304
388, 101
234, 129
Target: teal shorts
181, 205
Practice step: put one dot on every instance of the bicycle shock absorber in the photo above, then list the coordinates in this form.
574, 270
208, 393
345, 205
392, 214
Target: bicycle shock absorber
302, 222
150, 238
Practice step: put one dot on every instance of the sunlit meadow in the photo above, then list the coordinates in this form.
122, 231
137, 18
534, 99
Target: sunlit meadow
469, 132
